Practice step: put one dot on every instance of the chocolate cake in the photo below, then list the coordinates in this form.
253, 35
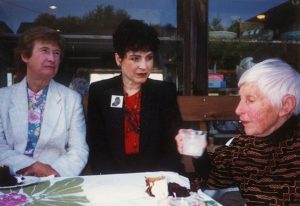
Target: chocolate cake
6, 179
177, 190
195, 184
159, 187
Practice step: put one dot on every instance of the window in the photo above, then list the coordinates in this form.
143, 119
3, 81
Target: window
243, 32
87, 27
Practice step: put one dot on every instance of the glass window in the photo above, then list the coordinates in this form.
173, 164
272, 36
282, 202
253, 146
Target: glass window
243, 32
87, 27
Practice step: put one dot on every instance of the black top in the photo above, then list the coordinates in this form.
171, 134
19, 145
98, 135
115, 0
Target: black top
159, 123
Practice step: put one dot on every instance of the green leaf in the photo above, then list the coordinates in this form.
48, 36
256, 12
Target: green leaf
30, 190
56, 203
211, 203
66, 186
38, 203
63, 191
81, 199
57, 194
6, 191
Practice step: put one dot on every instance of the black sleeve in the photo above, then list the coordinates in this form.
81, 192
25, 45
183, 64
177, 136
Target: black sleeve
172, 122
202, 166
95, 132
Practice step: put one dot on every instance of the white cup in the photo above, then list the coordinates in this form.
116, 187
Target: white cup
194, 142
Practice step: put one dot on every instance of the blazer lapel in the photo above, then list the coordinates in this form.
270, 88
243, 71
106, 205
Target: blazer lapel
146, 112
51, 114
18, 115
116, 114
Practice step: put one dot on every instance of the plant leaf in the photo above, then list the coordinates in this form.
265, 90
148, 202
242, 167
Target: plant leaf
30, 190
66, 186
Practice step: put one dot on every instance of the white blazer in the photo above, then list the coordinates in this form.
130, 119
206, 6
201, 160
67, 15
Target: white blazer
62, 141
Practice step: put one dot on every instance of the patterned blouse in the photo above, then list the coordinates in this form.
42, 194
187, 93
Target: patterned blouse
36, 106
132, 123
266, 169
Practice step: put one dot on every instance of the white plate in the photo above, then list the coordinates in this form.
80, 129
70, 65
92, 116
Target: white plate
23, 181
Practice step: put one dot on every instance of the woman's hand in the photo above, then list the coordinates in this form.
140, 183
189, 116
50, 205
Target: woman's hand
195, 143
38, 169
179, 141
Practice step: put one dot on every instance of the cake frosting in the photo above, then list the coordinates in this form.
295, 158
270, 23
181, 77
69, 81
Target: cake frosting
157, 187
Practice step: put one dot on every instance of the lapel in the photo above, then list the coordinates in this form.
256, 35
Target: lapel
51, 114
146, 112
18, 114
115, 115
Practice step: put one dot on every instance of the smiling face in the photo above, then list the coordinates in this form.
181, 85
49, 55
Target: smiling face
136, 67
256, 111
44, 62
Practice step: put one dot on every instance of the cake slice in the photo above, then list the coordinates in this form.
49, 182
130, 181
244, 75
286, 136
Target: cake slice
157, 187
177, 190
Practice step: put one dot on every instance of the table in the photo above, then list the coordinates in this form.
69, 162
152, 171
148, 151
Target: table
94, 190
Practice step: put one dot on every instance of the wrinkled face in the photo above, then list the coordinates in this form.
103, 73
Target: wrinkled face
256, 112
136, 66
44, 61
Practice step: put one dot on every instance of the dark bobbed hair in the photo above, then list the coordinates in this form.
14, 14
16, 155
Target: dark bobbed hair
134, 35
26, 43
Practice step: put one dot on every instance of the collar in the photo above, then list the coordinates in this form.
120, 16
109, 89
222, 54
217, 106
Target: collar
285, 131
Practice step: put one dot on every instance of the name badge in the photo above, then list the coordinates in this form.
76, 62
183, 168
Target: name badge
116, 101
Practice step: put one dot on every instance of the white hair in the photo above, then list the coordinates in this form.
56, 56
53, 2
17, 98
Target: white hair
275, 79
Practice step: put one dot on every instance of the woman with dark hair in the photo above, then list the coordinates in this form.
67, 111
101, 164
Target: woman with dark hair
132, 120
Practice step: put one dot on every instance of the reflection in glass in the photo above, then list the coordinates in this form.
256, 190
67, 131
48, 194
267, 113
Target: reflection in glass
87, 27
250, 29
84, 17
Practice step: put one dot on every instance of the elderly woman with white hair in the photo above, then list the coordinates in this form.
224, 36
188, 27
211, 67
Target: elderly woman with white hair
264, 163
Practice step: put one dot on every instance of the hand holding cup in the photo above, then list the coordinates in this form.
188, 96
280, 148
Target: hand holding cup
191, 142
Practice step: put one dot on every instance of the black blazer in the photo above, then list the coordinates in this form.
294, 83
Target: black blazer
160, 121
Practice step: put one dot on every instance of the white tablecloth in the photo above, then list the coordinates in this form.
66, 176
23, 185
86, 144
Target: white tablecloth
107, 190
128, 189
